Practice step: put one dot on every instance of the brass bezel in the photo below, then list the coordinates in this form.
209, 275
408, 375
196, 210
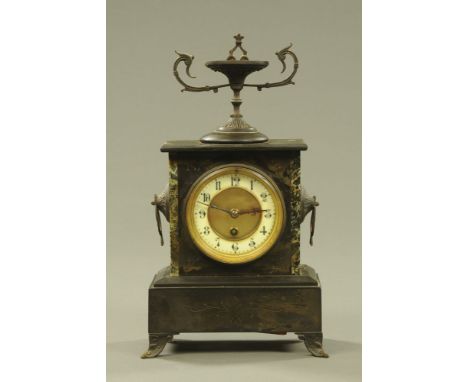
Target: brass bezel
277, 200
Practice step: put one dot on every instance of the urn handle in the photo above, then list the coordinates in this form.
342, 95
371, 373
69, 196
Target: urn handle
309, 204
282, 57
161, 205
187, 59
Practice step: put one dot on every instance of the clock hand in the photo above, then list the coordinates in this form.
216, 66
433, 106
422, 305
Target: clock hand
215, 207
252, 211
221, 209
233, 212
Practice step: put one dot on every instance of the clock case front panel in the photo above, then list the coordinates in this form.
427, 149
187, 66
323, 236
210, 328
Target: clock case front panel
189, 160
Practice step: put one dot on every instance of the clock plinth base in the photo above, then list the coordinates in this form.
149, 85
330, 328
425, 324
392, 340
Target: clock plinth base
265, 304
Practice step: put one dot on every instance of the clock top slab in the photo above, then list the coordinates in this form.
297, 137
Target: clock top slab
271, 145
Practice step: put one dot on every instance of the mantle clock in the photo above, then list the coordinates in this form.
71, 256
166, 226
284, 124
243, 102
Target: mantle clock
234, 203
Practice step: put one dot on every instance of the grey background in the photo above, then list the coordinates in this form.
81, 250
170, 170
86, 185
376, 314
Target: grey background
146, 108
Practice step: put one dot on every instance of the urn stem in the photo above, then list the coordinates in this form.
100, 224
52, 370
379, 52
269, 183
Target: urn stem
236, 103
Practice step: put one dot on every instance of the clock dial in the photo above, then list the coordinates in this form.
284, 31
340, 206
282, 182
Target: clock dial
234, 214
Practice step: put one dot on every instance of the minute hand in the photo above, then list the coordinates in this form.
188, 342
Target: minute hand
215, 207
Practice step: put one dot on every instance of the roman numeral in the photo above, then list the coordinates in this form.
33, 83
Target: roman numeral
218, 185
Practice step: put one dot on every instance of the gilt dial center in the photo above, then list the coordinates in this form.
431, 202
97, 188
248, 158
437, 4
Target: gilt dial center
229, 218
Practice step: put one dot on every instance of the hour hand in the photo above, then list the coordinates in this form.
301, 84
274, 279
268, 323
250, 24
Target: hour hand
251, 211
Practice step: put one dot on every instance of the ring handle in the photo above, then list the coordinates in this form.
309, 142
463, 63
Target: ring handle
309, 204
161, 205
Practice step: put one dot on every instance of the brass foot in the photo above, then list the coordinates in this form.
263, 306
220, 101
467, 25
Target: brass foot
313, 343
157, 342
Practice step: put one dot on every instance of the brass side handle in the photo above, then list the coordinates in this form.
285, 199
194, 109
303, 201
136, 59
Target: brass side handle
161, 205
309, 204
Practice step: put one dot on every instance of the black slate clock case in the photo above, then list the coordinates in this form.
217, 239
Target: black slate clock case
274, 293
